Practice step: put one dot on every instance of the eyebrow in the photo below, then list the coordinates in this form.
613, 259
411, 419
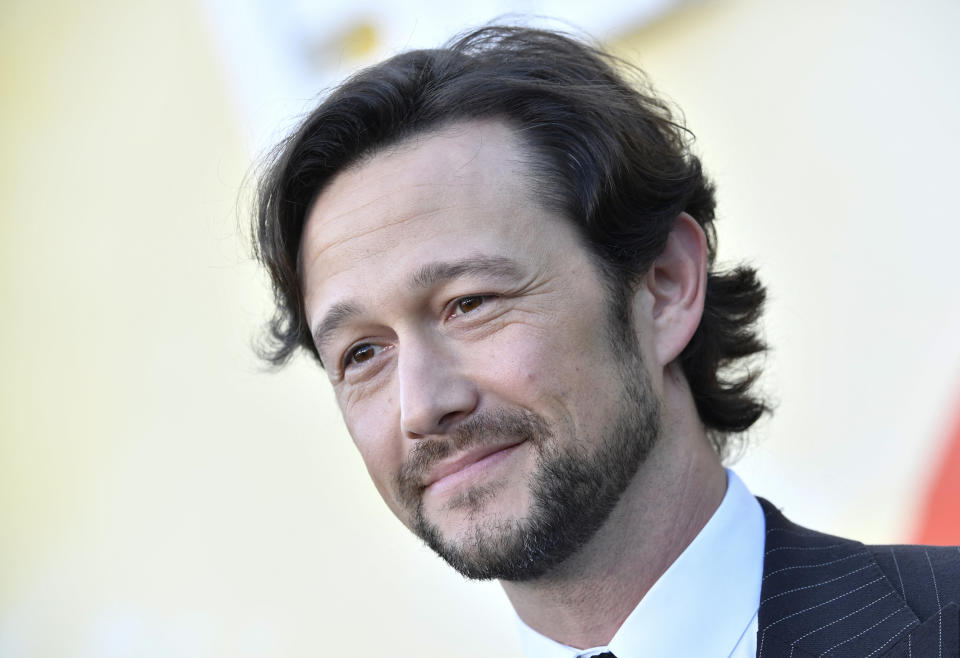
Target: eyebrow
432, 274
426, 276
334, 318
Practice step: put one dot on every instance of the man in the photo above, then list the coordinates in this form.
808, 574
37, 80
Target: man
502, 255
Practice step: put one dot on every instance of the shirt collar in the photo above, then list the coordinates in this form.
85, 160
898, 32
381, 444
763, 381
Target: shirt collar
713, 587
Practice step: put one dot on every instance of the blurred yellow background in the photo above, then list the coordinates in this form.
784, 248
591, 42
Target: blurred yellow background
161, 495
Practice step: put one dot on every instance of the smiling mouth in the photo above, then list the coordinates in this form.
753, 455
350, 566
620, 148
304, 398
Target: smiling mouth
475, 451
468, 467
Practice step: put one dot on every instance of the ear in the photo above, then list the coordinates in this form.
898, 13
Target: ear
675, 286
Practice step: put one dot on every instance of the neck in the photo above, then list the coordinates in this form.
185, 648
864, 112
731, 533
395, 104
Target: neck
585, 600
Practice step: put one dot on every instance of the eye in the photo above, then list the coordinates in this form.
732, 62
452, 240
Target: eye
471, 303
359, 354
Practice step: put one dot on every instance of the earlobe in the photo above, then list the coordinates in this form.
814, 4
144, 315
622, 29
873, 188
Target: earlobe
676, 283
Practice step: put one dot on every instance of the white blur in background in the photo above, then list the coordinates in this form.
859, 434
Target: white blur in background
162, 495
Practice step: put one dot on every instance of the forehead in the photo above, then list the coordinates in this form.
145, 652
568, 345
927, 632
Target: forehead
459, 192
402, 190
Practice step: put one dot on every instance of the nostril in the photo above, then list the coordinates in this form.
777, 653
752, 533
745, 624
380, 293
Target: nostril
450, 418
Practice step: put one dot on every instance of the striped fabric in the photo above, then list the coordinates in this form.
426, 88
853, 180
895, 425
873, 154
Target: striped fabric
827, 596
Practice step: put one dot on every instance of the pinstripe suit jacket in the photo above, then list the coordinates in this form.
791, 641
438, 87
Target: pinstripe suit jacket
827, 596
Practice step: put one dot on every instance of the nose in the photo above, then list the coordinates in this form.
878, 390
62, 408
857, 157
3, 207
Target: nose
435, 392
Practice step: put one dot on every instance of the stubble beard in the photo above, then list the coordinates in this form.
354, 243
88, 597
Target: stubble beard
575, 484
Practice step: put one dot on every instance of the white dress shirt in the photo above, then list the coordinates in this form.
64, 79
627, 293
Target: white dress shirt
705, 604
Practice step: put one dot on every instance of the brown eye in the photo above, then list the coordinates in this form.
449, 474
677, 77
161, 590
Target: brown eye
467, 304
361, 353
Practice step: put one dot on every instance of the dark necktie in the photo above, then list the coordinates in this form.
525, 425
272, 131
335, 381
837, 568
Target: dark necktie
605, 654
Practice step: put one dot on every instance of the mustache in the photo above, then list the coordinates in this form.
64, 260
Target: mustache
481, 429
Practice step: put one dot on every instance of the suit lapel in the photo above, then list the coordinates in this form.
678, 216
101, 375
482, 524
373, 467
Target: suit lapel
826, 595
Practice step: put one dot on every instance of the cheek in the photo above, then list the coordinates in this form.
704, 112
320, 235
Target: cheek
568, 374
374, 428
523, 367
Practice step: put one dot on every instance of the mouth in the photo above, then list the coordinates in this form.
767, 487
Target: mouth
468, 466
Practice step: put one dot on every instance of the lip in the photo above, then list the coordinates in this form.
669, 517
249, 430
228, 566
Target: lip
450, 473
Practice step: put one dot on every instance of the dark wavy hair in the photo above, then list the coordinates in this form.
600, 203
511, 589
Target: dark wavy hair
606, 153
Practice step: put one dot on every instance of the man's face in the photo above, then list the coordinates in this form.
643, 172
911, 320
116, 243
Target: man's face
498, 408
